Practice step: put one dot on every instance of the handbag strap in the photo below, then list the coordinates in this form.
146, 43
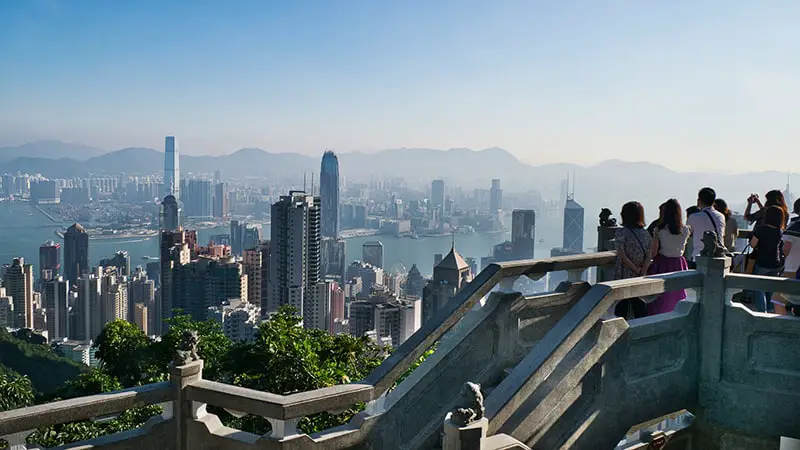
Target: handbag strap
644, 252
713, 224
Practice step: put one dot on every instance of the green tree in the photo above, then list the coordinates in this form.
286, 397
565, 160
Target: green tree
16, 391
124, 351
213, 347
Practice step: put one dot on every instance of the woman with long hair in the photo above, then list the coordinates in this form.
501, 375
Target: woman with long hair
774, 198
669, 244
633, 245
768, 247
731, 231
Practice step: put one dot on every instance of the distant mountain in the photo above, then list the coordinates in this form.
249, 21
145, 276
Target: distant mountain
49, 150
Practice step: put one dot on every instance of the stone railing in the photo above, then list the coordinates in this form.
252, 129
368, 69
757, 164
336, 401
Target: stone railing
188, 424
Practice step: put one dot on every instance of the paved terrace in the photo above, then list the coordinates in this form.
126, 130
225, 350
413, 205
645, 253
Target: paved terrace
555, 372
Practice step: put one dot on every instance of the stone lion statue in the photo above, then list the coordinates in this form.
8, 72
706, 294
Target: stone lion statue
605, 218
187, 348
475, 411
711, 246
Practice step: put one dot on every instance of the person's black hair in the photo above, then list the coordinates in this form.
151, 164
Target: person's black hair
796, 208
672, 217
722, 206
691, 210
632, 215
707, 196
773, 215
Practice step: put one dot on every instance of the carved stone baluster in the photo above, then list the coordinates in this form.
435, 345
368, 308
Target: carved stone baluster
465, 427
282, 429
186, 368
17, 441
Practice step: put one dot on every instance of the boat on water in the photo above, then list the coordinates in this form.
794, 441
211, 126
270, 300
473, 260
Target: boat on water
150, 258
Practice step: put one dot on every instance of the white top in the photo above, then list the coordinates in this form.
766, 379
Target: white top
792, 236
673, 245
700, 222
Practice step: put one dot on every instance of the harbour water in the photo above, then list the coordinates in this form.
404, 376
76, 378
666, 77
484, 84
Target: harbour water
23, 229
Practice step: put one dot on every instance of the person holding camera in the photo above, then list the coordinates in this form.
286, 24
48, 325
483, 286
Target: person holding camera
774, 198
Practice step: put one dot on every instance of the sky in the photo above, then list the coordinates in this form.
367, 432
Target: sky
686, 84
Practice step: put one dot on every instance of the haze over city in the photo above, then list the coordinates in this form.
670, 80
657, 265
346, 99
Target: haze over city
684, 84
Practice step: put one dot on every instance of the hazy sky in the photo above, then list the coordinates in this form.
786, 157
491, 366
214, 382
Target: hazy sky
688, 84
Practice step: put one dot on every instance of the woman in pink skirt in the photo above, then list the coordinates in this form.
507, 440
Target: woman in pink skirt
669, 243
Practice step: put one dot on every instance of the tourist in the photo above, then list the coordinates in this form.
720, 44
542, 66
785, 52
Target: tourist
707, 219
774, 198
767, 245
795, 211
731, 226
667, 249
690, 245
633, 244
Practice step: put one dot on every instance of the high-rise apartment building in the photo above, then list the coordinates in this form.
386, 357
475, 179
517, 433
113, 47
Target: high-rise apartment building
329, 195
523, 233
208, 282
142, 292
372, 253
334, 257
55, 296
437, 194
18, 282
49, 260
141, 317
495, 197
121, 262
237, 237
265, 248
174, 252
252, 265
198, 199
220, 200
251, 238
295, 251
87, 320
76, 253
172, 172
6, 309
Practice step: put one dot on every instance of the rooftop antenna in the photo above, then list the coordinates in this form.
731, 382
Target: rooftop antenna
452, 240
312, 184
304, 181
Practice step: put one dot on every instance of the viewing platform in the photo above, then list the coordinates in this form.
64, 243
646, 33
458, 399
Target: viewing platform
555, 370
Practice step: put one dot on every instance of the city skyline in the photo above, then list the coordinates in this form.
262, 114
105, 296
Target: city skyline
676, 83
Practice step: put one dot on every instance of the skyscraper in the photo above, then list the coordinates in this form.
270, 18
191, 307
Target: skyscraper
329, 195
295, 257
372, 253
49, 260
198, 200
573, 224
172, 172
437, 194
495, 197
523, 233
220, 200
334, 257
170, 214
56, 303
76, 252
18, 281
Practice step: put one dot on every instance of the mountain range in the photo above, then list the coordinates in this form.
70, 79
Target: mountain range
608, 183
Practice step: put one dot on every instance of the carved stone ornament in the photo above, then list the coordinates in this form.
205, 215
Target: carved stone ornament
711, 246
187, 348
605, 218
474, 411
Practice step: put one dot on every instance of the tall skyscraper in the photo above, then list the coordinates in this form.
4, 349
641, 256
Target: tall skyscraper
174, 252
49, 260
18, 281
329, 195
172, 172
198, 200
372, 253
170, 214
220, 200
495, 197
295, 257
437, 194
56, 303
237, 237
76, 252
415, 283
573, 224
334, 257
523, 233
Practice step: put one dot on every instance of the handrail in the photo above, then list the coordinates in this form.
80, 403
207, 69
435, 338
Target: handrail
762, 283
82, 408
535, 368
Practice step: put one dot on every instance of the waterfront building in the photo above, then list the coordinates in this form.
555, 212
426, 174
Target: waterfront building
76, 252
18, 283
170, 214
220, 200
172, 172
437, 196
372, 253
495, 197
198, 199
329, 195
295, 257
121, 262
334, 257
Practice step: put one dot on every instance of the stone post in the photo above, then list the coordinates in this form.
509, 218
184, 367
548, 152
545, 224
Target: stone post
184, 410
605, 242
712, 309
464, 438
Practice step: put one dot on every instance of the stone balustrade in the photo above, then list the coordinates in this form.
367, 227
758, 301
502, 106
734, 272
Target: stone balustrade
556, 373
